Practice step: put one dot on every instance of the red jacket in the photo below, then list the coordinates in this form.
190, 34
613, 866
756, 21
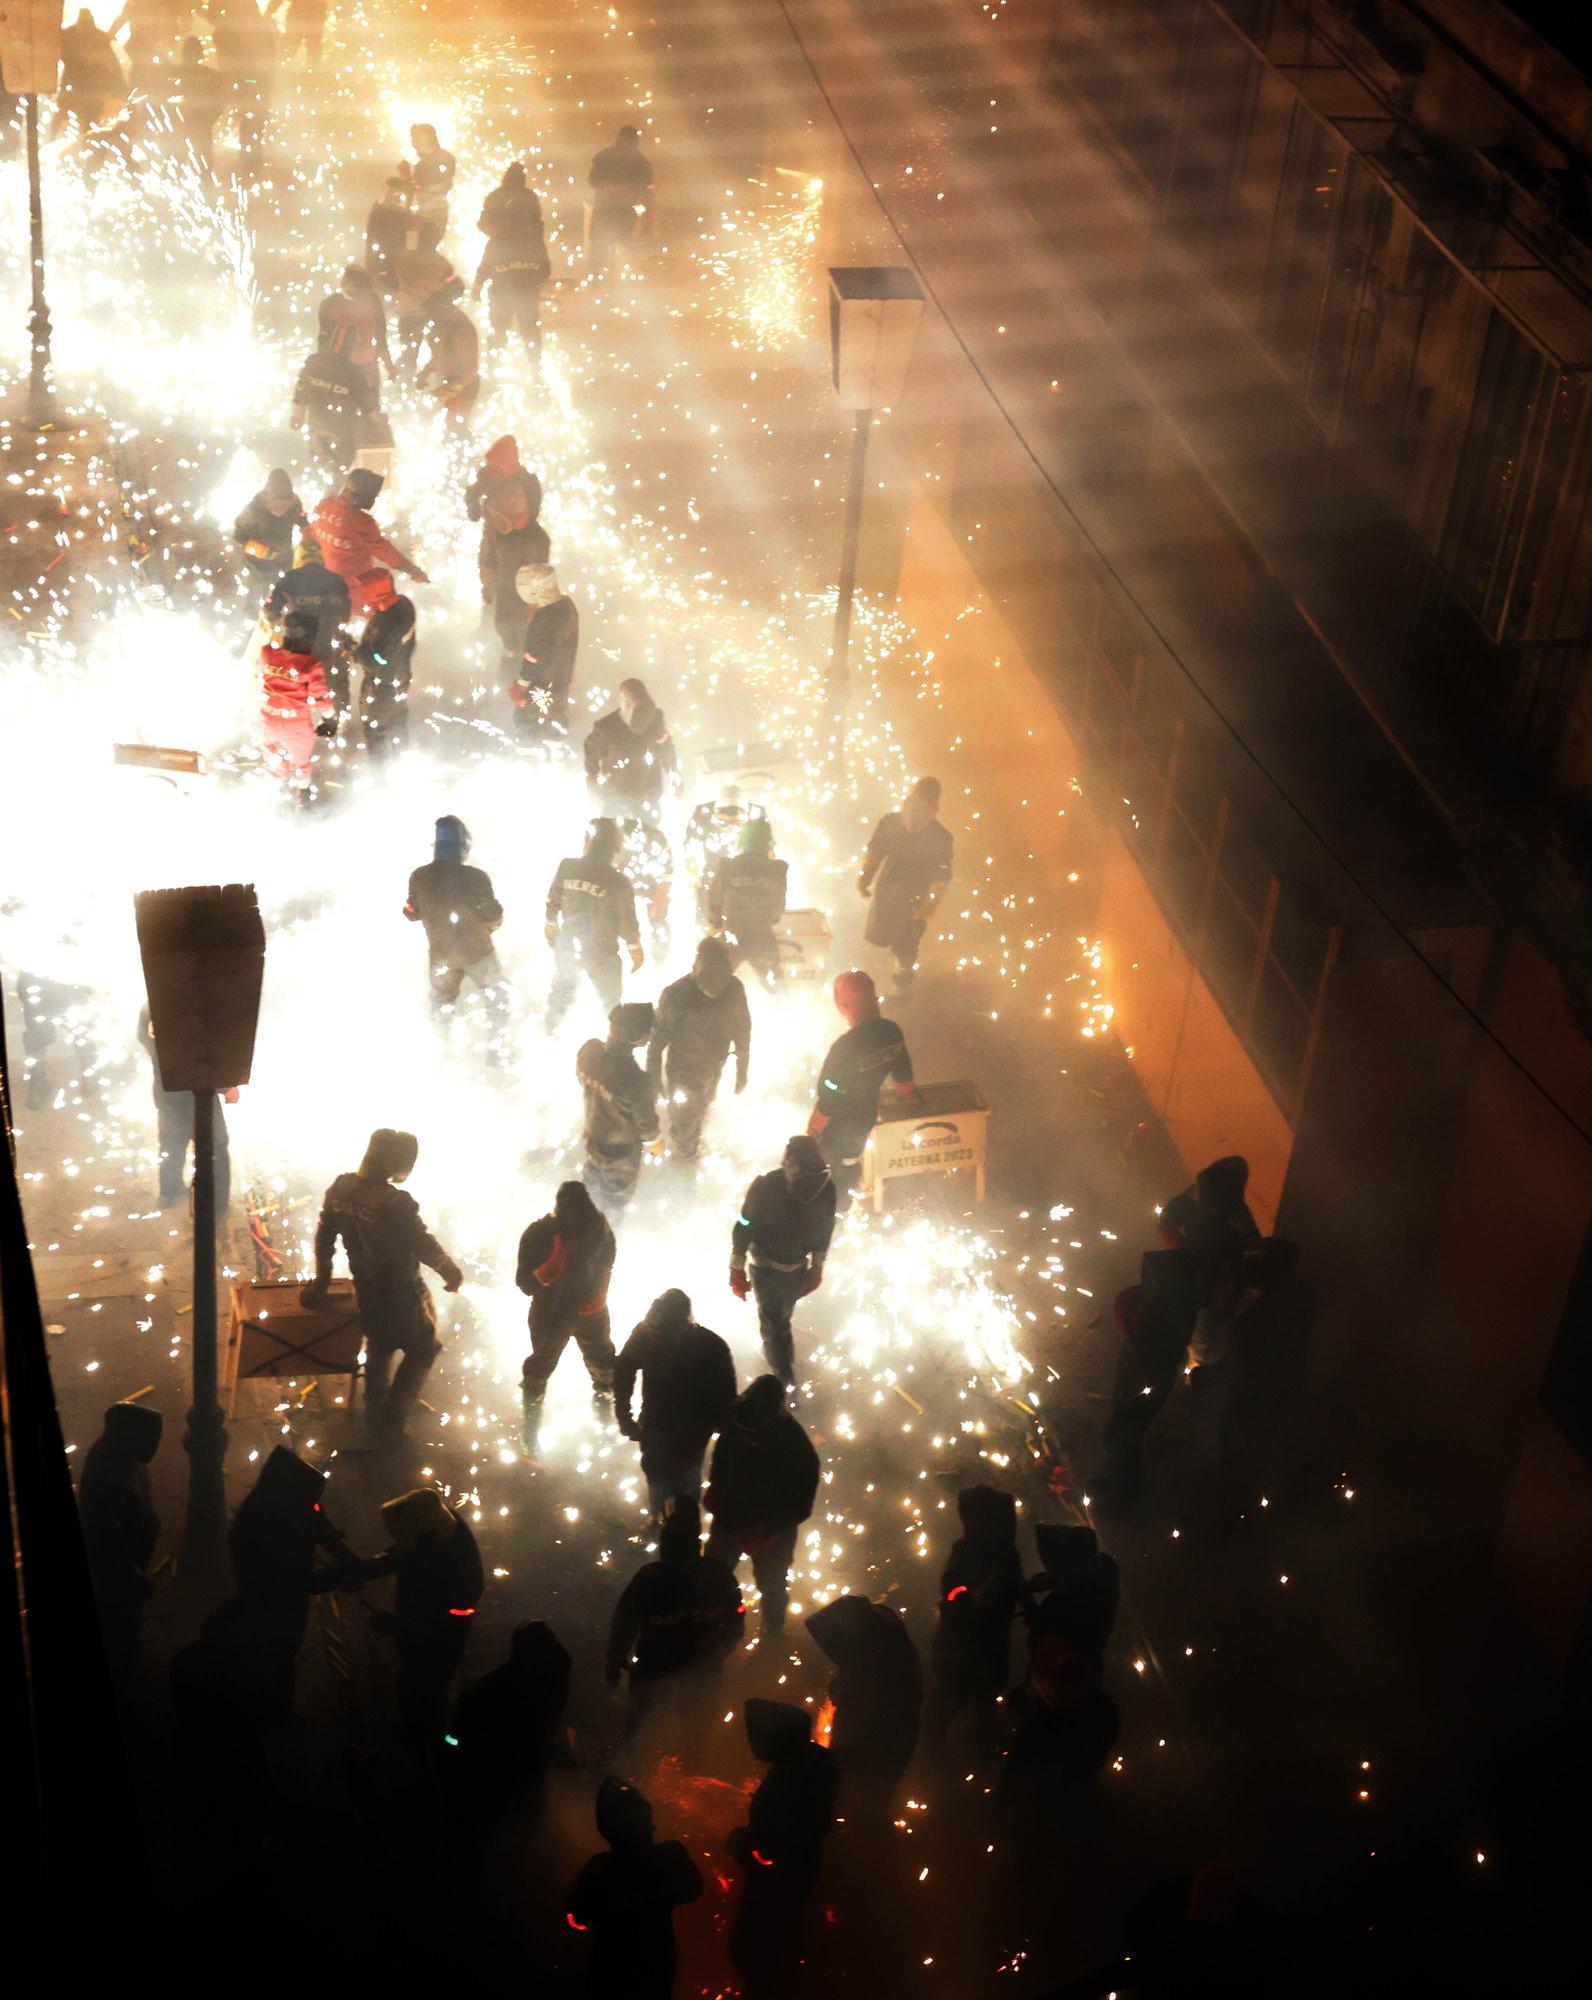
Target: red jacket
295, 685
351, 543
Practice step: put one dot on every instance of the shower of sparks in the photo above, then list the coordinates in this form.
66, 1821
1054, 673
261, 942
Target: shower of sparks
129, 625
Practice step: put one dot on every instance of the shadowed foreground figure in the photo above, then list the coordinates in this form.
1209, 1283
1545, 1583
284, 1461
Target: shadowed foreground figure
904, 873
625, 1900
121, 1528
273, 1542
761, 1488
779, 1846
676, 1621
439, 1583
687, 1387
506, 1726
386, 1241
877, 1690
981, 1589
1080, 1586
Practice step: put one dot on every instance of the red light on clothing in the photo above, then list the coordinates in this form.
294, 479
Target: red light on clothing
569, 1919
959, 1591
762, 1860
465, 1611
316, 1505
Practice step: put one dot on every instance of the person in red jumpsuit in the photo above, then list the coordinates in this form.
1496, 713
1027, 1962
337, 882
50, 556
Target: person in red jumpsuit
297, 701
351, 544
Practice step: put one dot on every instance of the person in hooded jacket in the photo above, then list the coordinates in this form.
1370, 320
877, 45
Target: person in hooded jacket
433, 173
513, 269
1156, 1320
700, 1020
869, 1056
330, 397
1062, 1729
905, 872
452, 367
310, 589
387, 228
1212, 1219
384, 654
1079, 1586
504, 497
512, 206
625, 1900
296, 705
352, 322
507, 1725
687, 1387
591, 911
544, 673
266, 527
630, 756
440, 1581
676, 1622
982, 1588
762, 1483
746, 899
566, 1259
460, 913
621, 1111
120, 1528
620, 179
345, 531
877, 1690
780, 1845
420, 276
779, 1243
386, 1241
273, 1542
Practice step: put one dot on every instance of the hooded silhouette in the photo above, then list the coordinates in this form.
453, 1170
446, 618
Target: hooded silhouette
702, 1019
625, 1900
761, 1487
591, 912
687, 1387
877, 1690
506, 1725
621, 1113
566, 1259
120, 1527
779, 1243
870, 1054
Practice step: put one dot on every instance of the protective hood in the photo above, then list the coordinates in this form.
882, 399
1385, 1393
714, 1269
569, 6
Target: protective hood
419, 1520
452, 842
286, 1481
576, 1214
757, 837
1221, 1185
1066, 1553
389, 1153
845, 1629
670, 1310
713, 969
927, 792
856, 997
776, 1729
134, 1431
680, 1537
630, 1022
624, 1816
298, 632
278, 491
361, 487
760, 1402
602, 844
503, 457
646, 718
536, 1653
536, 584
804, 1167
987, 1514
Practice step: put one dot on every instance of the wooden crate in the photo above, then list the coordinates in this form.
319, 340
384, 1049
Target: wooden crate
272, 1334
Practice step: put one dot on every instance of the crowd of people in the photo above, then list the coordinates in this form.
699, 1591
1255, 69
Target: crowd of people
731, 1474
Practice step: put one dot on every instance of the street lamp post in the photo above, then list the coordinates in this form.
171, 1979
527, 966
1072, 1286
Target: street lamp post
873, 319
203, 952
30, 66
41, 399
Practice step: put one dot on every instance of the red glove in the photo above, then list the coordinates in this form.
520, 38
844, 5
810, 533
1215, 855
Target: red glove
738, 1281
818, 1124
518, 692
812, 1278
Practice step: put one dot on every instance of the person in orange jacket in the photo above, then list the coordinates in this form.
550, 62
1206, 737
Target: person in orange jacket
297, 705
351, 544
